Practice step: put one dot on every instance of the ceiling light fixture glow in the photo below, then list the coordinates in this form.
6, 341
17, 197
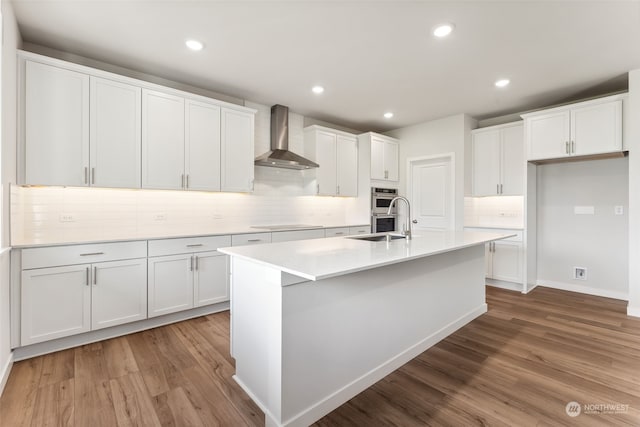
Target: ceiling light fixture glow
502, 82
194, 44
317, 90
443, 30
388, 115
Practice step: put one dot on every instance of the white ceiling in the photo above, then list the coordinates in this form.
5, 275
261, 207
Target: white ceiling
371, 56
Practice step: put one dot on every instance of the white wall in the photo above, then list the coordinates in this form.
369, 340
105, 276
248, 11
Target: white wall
633, 144
596, 242
11, 41
447, 135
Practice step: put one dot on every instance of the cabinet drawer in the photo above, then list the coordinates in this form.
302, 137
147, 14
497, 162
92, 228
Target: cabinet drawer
250, 239
516, 238
82, 254
187, 245
288, 236
336, 232
364, 229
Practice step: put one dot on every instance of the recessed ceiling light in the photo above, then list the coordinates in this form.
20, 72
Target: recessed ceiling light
502, 82
388, 115
317, 90
194, 44
443, 30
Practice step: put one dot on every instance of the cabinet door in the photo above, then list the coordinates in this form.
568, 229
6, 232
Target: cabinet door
236, 164
55, 303
119, 292
170, 284
326, 174
548, 136
486, 163
506, 261
512, 161
56, 126
115, 142
377, 159
202, 146
597, 129
347, 166
162, 140
391, 161
211, 278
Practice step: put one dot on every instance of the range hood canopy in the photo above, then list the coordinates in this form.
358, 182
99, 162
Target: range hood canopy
279, 156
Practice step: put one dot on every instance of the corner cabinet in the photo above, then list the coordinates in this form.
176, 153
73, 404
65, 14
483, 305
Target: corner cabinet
384, 156
118, 132
587, 128
498, 160
337, 154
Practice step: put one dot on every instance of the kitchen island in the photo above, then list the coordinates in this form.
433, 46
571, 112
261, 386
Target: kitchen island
315, 322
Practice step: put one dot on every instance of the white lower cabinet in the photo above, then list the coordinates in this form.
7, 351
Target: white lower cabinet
56, 302
505, 261
179, 281
118, 292
62, 301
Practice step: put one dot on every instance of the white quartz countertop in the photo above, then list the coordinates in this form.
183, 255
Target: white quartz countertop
323, 258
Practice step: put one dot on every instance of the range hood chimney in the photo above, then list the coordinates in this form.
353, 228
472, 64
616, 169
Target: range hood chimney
279, 156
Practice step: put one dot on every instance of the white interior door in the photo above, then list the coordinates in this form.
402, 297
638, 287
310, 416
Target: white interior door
431, 192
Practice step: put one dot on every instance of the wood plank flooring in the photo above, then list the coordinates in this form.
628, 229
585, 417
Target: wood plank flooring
518, 365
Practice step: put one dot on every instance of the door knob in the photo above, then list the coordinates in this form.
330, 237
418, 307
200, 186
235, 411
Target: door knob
415, 221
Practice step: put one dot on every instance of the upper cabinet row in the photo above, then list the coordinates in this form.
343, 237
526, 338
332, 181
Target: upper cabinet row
384, 156
86, 130
582, 129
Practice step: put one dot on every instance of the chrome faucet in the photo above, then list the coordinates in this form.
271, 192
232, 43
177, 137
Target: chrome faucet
406, 232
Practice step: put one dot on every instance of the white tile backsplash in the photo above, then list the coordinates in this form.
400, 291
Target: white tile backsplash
503, 211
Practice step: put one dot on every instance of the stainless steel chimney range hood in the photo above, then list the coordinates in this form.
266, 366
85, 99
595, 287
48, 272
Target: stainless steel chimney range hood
279, 156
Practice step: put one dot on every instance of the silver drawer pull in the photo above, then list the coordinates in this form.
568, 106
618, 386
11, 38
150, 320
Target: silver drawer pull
254, 240
92, 253
95, 275
195, 245
361, 231
337, 234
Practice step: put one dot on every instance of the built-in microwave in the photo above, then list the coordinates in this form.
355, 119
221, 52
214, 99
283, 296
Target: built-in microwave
381, 199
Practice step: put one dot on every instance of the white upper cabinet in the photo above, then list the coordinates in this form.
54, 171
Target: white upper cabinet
583, 129
384, 156
498, 160
56, 126
202, 149
86, 127
237, 153
115, 120
337, 154
162, 140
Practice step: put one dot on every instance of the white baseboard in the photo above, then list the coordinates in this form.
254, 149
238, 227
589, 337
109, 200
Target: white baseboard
510, 286
4, 374
329, 403
41, 348
572, 287
633, 311
529, 288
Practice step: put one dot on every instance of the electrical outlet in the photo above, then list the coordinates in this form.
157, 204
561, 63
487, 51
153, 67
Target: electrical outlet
160, 217
579, 273
67, 218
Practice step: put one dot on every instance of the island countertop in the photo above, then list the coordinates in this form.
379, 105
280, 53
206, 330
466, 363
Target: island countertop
324, 258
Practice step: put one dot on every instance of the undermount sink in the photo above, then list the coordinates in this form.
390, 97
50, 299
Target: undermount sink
379, 238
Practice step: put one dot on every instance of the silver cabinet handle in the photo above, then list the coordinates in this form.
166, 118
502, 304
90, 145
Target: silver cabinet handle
196, 263
338, 234
195, 245
497, 188
86, 175
92, 253
501, 191
182, 181
361, 231
566, 147
317, 188
338, 189
386, 174
93, 175
191, 264
187, 180
95, 275
573, 147
86, 279
254, 240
